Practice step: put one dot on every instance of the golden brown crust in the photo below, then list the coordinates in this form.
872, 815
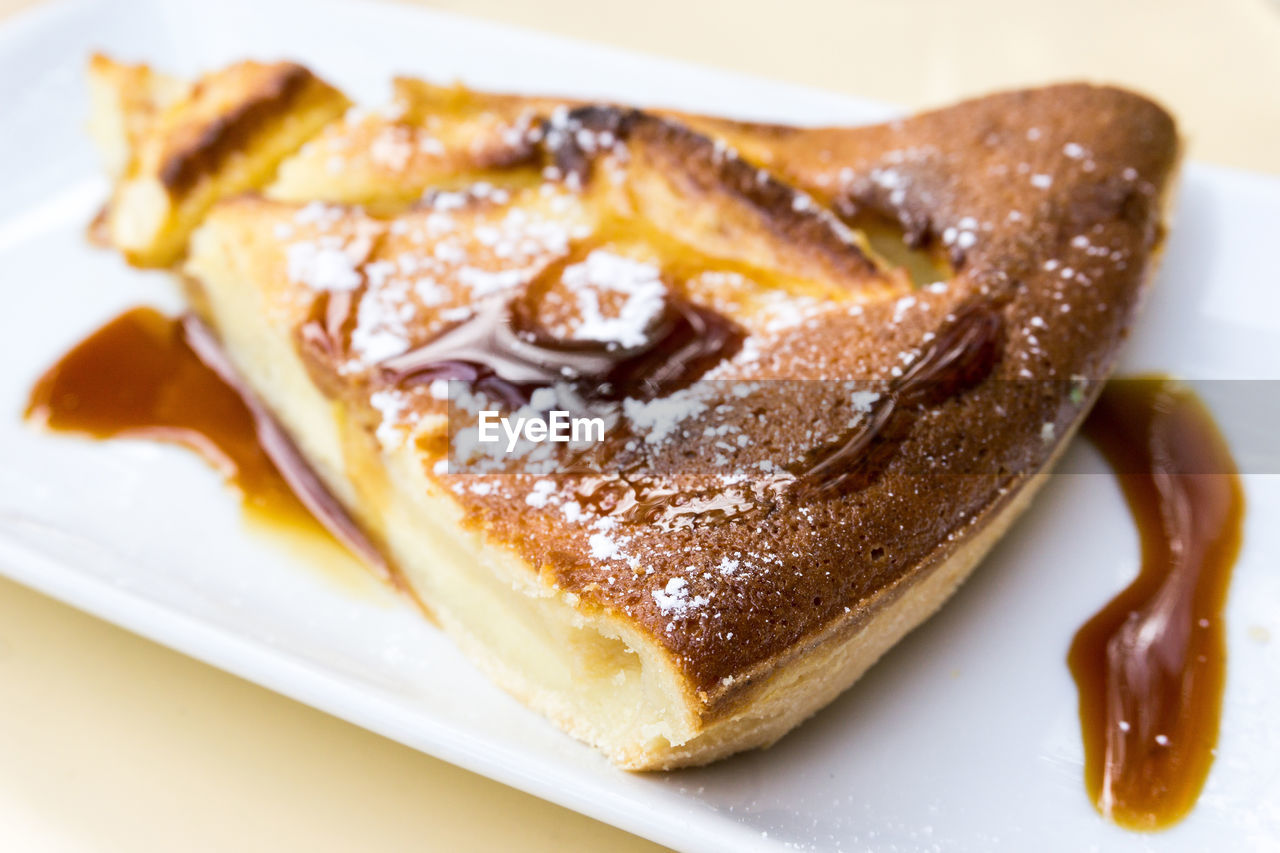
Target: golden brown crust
1108, 158
216, 128
710, 174
219, 136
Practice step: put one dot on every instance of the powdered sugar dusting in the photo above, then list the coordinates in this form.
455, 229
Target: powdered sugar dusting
674, 598
640, 285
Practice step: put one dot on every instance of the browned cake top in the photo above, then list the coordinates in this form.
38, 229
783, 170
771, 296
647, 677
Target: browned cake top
191, 136
611, 232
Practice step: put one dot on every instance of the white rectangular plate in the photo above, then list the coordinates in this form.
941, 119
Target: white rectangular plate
965, 736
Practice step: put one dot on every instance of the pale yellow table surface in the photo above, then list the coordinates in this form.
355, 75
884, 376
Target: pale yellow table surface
109, 742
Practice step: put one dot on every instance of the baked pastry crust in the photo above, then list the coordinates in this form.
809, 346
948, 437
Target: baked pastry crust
177, 148
674, 642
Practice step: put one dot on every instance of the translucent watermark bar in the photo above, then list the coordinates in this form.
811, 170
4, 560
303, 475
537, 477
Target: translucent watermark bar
760, 429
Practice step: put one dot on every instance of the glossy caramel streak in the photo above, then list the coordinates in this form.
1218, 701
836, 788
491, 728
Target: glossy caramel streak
501, 349
1150, 665
961, 356
136, 377
143, 375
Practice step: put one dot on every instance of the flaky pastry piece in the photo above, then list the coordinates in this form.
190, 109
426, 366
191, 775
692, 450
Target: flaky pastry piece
176, 148
809, 450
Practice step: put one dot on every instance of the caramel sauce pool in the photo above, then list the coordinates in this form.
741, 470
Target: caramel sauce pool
1150, 665
136, 377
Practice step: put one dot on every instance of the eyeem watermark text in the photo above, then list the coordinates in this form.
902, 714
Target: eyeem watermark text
557, 426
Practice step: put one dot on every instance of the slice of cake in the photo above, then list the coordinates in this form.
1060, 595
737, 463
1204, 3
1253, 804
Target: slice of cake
803, 447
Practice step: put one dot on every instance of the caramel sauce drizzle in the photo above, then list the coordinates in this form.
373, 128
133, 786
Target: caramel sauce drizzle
502, 349
145, 375
1150, 665
961, 356
137, 378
